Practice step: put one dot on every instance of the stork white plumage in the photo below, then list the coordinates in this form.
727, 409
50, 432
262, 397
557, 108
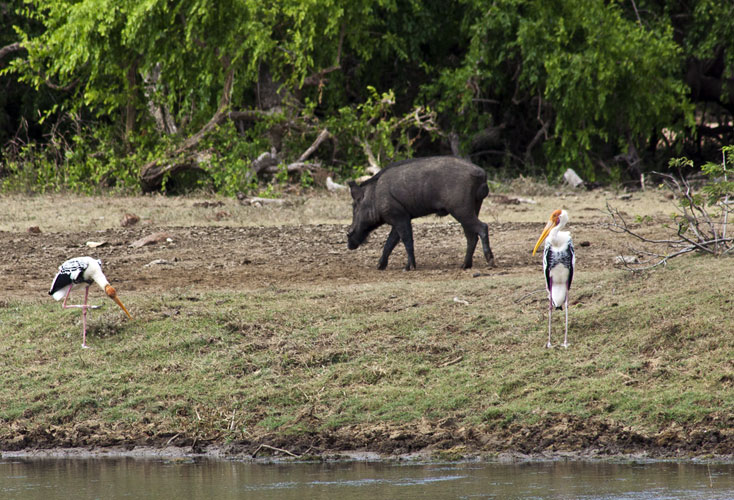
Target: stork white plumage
559, 261
82, 270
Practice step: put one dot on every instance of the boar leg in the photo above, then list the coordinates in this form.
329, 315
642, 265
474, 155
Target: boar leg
405, 231
484, 236
475, 229
392, 240
471, 244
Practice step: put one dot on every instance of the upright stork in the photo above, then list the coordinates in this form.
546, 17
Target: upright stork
559, 261
82, 270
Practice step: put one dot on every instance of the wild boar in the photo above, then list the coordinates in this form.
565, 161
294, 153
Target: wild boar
413, 188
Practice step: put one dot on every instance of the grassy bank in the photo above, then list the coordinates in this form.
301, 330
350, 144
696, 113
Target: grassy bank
650, 356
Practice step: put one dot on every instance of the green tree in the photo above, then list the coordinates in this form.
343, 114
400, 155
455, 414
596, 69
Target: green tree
575, 76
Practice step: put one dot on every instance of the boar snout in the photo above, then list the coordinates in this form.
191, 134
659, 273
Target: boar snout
352, 242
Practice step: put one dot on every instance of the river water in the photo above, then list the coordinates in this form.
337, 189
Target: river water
108, 478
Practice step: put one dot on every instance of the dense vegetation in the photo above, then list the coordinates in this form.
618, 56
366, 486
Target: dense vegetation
229, 95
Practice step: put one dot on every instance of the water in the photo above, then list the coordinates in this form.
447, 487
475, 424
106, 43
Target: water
81, 479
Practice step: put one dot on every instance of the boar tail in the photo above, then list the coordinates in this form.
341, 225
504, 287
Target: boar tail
482, 191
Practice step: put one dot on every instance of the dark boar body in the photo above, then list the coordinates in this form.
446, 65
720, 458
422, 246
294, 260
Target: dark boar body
404, 190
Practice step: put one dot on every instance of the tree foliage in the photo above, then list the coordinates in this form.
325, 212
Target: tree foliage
534, 86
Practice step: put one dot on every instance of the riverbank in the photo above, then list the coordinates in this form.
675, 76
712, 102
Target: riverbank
250, 333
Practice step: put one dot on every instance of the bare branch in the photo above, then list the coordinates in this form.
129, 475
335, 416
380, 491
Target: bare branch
9, 49
705, 237
325, 134
297, 166
318, 77
273, 448
374, 166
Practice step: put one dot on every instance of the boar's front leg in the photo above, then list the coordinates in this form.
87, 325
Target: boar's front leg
392, 240
405, 231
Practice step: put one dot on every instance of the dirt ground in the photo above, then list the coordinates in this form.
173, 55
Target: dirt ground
221, 244
224, 245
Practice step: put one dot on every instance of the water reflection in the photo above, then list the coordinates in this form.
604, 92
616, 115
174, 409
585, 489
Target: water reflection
81, 479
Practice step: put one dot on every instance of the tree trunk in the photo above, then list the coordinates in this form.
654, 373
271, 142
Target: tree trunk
130, 110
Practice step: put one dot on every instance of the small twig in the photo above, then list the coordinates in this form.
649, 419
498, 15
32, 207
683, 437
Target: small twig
273, 448
451, 362
517, 301
171, 440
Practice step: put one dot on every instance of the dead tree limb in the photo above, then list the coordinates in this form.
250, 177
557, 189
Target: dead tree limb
9, 49
152, 174
710, 243
298, 166
374, 167
323, 135
215, 120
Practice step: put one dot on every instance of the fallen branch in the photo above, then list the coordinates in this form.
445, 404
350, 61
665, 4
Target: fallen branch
517, 301
171, 440
451, 362
273, 448
374, 167
334, 186
290, 168
680, 246
257, 201
325, 134
512, 200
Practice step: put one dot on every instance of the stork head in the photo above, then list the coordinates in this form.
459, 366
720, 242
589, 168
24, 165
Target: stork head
557, 219
111, 293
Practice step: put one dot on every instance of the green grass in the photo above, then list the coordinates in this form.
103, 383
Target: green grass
645, 352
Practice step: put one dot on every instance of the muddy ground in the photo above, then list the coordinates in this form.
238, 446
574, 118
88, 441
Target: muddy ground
229, 250
245, 251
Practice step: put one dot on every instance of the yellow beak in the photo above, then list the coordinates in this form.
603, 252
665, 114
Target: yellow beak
543, 236
111, 293
119, 303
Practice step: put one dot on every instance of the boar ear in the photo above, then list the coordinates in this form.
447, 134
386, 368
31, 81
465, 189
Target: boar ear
355, 189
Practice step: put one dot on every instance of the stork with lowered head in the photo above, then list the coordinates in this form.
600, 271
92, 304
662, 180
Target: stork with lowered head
85, 270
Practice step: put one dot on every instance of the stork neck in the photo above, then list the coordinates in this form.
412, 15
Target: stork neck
553, 235
100, 280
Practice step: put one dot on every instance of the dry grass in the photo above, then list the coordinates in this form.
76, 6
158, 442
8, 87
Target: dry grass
71, 213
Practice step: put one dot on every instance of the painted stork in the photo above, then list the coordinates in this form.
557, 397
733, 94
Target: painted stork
82, 270
559, 261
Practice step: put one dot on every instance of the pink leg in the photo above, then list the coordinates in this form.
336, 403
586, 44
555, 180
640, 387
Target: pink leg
565, 335
68, 292
84, 319
84, 308
550, 315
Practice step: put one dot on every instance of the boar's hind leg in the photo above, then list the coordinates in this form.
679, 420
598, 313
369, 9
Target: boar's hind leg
475, 229
405, 231
484, 235
392, 240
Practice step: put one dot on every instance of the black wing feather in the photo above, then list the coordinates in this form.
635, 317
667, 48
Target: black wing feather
571, 263
62, 280
70, 272
547, 265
